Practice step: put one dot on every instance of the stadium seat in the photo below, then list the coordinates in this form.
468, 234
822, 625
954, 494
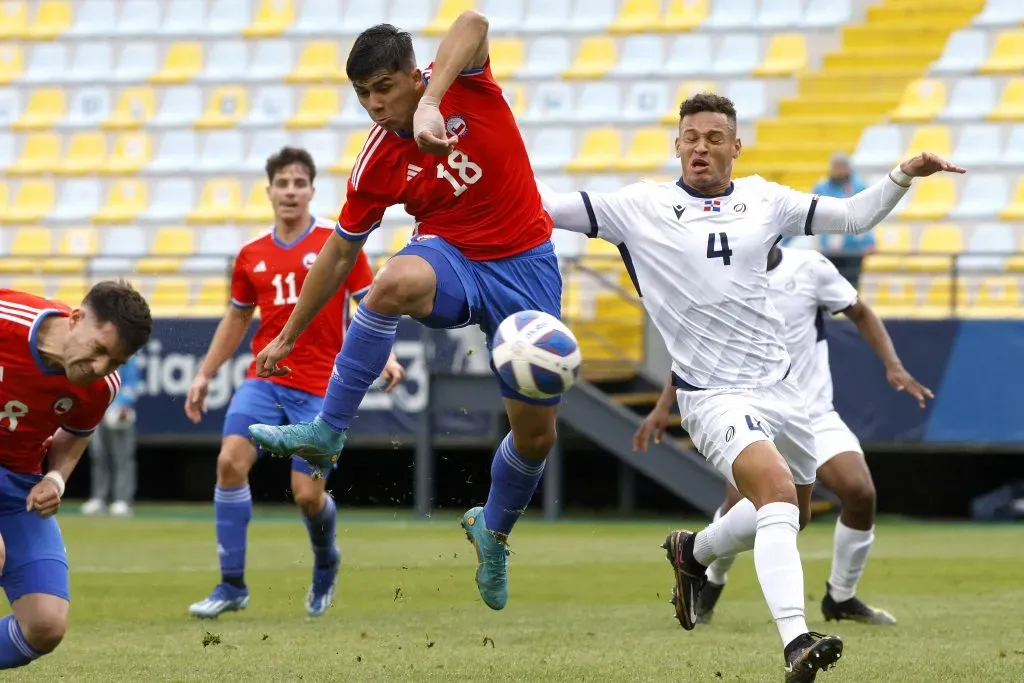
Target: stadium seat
31, 203
750, 98
272, 60
399, 238
40, 153
172, 198
997, 295
47, 63
94, 18
547, 56
640, 56
737, 54
272, 19
32, 242
931, 199
319, 104
137, 63
1007, 56
318, 63
964, 52
647, 101
132, 152
878, 146
503, 16
92, 63
934, 138
595, 58
12, 63
895, 293
780, 14
923, 100
983, 196
171, 295
938, 243
978, 145
1014, 210
261, 145
7, 151
53, 17
892, 243
551, 103
15, 23
987, 249
225, 107
44, 109
137, 19
213, 292
272, 105
684, 15
972, 99
1013, 152
228, 17
637, 16
507, 57
126, 200
353, 145
686, 90
173, 241
222, 152
257, 208
220, 202
943, 297
598, 102
90, 106
447, 11
787, 55
1000, 13
226, 62
71, 290
649, 150
1011, 102
78, 241
357, 16
86, 154
77, 200
600, 149
732, 14
541, 15
593, 16
553, 148
10, 106
177, 152
182, 62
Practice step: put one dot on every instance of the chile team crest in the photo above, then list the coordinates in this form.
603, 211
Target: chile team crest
62, 405
456, 125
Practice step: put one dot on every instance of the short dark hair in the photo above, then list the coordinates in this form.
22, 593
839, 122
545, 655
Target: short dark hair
709, 102
380, 47
120, 304
288, 156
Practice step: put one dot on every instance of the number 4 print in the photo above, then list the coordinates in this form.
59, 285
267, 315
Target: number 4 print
724, 253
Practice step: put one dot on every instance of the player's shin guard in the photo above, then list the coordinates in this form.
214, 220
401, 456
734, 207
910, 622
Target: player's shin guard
731, 533
363, 356
232, 508
849, 557
321, 533
14, 649
513, 482
777, 561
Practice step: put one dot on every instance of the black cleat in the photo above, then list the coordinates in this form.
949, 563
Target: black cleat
707, 600
689, 574
854, 610
810, 653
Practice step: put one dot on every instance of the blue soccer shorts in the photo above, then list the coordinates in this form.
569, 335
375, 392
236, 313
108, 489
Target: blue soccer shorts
260, 401
37, 561
486, 292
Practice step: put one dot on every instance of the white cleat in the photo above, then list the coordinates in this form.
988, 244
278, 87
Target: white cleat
93, 506
224, 598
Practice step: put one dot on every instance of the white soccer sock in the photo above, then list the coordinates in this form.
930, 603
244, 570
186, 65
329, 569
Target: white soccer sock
731, 533
849, 556
777, 561
719, 569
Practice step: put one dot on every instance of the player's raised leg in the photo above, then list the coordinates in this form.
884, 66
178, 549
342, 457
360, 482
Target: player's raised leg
847, 475
718, 570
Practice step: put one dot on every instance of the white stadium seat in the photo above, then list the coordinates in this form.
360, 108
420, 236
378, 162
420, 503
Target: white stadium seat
94, 18
89, 108
93, 63
138, 18
689, 55
184, 18
77, 201
732, 14
181, 105
48, 63
641, 55
978, 145
227, 61
176, 153
879, 146
971, 99
547, 57
137, 62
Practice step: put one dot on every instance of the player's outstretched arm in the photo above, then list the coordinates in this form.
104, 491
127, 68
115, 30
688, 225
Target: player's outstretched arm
657, 420
65, 451
568, 211
873, 330
325, 278
464, 47
226, 340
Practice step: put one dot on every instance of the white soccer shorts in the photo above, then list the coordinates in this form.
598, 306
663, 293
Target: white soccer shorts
832, 437
722, 422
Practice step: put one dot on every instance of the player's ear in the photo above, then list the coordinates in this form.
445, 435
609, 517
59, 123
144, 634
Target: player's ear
75, 317
675, 146
737, 148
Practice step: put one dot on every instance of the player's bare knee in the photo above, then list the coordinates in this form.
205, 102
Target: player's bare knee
3, 554
405, 286
232, 469
858, 499
45, 628
535, 446
309, 499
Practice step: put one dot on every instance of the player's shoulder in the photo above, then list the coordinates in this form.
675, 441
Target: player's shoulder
18, 308
755, 184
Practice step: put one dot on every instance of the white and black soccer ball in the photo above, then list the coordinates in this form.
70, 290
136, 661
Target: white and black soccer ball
536, 354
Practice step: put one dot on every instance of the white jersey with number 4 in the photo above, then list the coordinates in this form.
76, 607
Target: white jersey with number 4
803, 286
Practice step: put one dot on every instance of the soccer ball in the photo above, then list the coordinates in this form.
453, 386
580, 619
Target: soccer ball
536, 354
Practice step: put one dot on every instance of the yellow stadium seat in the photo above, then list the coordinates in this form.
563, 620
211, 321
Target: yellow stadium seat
637, 16
62, 265
53, 17
1014, 211
602, 256
787, 55
937, 245
649, 150
897, 291
399, 238
507, 57
272, 19
71, 290
932, 199
32, 202
13, 19
12, 62
353, 145
132, 151
32, 242
32, 285
922, 100
943, 297
685, 92
78, 242
601, 150
213, 292
126, 199
4, 198
45, 107
1007, 56
892, 243
998, 292
684, 15
225, 108
257, 209
934, 138
221, 201
318, 106
171, 293
86, 154
174, 241
1011, 103
135, 106
182, 62
158, 265
447, 12
40, 153
318, 63
515, 94
596, 57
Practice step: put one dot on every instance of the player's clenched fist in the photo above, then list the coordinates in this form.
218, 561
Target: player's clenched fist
44, 498
428, 128
267, 360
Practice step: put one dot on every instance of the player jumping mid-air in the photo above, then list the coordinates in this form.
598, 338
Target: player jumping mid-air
58, 375
268, 274
803, 286
445, 144
698, 250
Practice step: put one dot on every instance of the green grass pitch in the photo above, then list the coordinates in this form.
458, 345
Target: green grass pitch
588, 603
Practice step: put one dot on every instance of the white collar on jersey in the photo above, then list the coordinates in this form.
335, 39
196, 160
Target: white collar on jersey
700, 195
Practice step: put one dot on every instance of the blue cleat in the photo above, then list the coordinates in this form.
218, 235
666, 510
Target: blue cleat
224, 598
492, 557
321, 591
316, 442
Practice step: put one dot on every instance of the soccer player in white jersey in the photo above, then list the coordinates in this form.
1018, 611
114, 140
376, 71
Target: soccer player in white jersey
803, 286
697, 250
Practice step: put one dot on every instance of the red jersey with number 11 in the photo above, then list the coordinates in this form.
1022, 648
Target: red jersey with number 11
482, 198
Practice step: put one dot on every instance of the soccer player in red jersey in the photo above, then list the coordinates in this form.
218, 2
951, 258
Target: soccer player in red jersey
58, 375
445, 144
268, 274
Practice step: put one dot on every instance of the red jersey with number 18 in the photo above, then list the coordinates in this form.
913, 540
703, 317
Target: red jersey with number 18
269, 274
36, 400
482, 198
